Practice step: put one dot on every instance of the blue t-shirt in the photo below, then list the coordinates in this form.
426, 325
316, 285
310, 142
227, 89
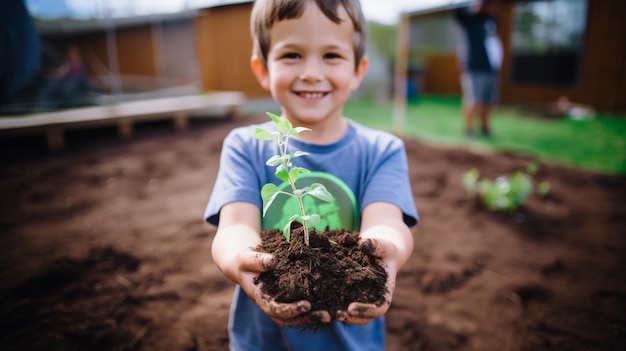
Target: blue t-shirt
364, 166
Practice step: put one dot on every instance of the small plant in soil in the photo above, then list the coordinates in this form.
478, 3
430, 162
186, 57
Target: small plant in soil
505, 193
327, 268
287, 172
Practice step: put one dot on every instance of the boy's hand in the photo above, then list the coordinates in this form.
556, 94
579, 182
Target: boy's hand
297, 313
237, 233
362, 313
385, 236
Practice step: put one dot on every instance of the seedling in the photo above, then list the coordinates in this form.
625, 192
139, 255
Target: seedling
505, 193
287, 172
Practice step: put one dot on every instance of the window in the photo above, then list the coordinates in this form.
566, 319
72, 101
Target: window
547, 42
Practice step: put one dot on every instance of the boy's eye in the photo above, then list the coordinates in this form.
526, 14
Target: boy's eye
290, 56
332, 55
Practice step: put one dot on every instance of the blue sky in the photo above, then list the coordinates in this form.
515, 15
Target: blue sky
385, 11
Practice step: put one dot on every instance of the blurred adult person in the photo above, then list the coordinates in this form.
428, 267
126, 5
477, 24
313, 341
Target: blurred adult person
65, 85
480, 58
20, 49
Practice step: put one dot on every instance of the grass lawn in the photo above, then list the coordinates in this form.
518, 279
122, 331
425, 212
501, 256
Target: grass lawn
597, 144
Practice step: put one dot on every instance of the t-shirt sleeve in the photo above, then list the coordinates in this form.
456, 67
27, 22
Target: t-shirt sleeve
237, 178
388, 180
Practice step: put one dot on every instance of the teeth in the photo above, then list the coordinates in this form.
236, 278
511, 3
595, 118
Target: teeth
312, 95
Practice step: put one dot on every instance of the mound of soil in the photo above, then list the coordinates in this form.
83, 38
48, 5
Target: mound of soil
103, 247
331, 262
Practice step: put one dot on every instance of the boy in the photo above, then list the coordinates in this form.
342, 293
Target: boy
309, 55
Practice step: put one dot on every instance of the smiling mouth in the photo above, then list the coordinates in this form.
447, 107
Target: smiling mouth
311, 95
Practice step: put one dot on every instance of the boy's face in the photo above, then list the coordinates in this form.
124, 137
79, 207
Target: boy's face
311, 66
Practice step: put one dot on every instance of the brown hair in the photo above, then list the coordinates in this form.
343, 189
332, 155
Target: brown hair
267, 12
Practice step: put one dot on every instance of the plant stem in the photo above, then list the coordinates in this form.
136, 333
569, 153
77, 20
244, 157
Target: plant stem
306, 228
301, 205
292, 182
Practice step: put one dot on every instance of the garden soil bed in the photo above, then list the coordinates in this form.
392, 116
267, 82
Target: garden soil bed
103, 247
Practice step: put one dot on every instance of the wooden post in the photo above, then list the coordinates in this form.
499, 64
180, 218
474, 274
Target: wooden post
234, 111
402, 56
125, 128
55, 139
181, 121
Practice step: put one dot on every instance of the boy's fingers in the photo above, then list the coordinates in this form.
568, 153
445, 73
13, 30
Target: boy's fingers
361, 313
344, 317
296, 313
288, 310
257, 262
320, 316
377, 247
366, 310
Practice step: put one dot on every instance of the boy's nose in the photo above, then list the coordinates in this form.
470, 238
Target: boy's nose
311, 72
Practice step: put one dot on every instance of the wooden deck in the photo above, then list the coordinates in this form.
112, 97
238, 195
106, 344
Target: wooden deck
124, 115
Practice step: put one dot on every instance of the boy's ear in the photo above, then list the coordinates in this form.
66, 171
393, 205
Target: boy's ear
260, 72
361, 69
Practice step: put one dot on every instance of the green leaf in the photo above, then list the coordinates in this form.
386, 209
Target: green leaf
483, 186
521, 187
287, 231
274, 161
297, 154
303, 170
295, 172
268, 190
281, 173
268, 194
274, 117
301, 129
319, 191
313, 219
532, 167
543, 188
262, 134
502, 184
287, 227
495, 200
470, 178
282, 124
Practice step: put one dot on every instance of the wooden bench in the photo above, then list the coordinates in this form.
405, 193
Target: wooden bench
123, 114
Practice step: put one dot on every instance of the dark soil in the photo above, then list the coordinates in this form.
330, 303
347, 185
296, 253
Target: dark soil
103, 247
332, 262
